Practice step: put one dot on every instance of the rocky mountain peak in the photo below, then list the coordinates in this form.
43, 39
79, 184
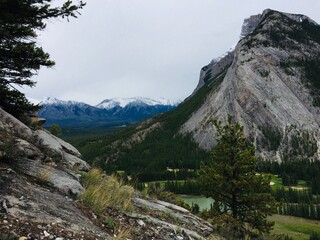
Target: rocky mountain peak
269, 85
214, 68
249, 25
295, 17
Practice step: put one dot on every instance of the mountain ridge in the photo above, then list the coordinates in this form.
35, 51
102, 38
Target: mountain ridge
115, 112
123, 102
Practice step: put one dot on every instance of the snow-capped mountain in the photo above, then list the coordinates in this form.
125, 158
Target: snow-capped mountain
70, 113
56, 101
123, 102
116, 111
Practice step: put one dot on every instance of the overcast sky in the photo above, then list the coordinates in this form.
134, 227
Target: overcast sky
148, 48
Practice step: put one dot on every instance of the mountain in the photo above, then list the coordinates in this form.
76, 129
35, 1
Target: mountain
137, 101
108, 112
271, 87
71, 113
135, 109
269, 83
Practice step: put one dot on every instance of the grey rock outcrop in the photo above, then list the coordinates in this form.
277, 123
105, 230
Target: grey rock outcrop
179, 221
267, 88
38, 180
214, 69
249, 25
39, 154
33, 209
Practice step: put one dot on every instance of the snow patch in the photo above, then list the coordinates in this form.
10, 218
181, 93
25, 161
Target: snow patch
123, 102
111, 103
55, 101
218, 59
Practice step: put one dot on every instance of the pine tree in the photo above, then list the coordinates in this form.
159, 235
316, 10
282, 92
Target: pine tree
231, 179
20, 55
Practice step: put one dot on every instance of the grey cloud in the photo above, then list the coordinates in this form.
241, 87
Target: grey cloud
151, 48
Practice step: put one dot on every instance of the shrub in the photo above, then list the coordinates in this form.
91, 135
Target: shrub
55, 130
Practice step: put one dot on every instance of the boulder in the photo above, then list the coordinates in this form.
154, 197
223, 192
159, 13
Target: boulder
61, 180
11, 124
40, 154
75, 163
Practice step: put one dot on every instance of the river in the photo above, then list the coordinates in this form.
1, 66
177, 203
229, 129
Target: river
203, 202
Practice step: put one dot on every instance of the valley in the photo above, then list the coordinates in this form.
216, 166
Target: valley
239, 158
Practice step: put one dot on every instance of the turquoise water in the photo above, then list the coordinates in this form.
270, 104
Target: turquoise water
203, 202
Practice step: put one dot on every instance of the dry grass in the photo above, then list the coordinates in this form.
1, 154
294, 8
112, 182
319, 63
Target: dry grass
44, 174
106, 191
122, 233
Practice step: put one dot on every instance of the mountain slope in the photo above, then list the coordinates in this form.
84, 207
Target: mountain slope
269, 84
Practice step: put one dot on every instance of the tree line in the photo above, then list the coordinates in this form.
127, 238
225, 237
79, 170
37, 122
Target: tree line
304, 210
292, 171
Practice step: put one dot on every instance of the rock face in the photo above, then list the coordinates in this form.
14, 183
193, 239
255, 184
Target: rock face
38, 179
249, 25
214, 68
29, 209
32, 209
41, 155
271, 88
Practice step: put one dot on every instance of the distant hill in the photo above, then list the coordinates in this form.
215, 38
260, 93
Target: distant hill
113, 112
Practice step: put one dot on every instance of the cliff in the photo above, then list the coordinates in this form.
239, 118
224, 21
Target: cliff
271, 88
